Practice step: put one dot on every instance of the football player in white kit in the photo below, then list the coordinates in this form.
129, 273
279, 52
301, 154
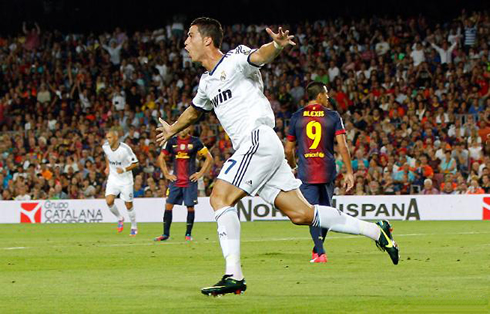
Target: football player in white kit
233, 88
120, 161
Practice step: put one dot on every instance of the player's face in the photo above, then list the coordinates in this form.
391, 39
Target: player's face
194, 44
111, 138
184, 132
325, 98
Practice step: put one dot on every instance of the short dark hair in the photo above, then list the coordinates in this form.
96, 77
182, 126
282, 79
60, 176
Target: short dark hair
209, 27
313, 89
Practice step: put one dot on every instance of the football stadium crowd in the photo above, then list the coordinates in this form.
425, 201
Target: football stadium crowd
414, 96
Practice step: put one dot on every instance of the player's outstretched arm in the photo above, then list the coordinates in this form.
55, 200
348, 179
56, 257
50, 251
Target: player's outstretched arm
166, 131
268, 52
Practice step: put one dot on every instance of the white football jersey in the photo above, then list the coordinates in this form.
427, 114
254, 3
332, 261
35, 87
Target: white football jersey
234, 89
122, 157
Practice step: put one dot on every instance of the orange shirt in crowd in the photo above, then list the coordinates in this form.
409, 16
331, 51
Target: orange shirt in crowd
428, 171
477, 191
444, 183
483, 133
47, 174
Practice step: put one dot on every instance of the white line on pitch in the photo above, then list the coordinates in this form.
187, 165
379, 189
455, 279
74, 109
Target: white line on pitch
257, 240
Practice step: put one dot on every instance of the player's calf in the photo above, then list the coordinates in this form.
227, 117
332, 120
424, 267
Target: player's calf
293, 204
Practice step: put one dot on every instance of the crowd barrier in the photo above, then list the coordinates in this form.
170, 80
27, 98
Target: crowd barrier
406, 207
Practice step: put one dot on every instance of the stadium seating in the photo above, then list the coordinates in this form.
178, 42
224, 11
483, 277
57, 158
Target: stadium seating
414, 97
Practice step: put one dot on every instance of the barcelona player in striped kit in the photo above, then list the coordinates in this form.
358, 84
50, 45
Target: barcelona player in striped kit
183, 150
313, 129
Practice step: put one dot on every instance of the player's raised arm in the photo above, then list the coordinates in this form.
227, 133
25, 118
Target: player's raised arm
166, 131
268, 52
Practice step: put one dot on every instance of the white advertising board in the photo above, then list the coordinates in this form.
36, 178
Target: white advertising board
406, 207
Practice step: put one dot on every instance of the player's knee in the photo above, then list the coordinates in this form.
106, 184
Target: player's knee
301, 218
110, 203
218, 200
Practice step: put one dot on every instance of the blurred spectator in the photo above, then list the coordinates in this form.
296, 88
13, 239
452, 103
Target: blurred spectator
485, 183
428, 188
415, 101
475, 188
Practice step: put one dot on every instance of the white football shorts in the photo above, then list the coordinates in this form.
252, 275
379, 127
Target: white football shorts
259, 166
125, 191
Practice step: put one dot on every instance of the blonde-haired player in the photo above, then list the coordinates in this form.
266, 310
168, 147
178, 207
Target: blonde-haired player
120, 161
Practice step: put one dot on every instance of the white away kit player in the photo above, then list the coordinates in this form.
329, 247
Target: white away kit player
232, 87
120, 161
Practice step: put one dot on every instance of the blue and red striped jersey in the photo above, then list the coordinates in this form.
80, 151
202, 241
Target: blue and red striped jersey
183, 155
314, 128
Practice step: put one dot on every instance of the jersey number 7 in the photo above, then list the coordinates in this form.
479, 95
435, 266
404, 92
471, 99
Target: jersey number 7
233, 162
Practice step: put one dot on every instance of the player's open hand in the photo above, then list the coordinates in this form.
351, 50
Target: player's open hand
195, 176
106, 171
120, 170
282, 38
171, 177
163, 132
348, 182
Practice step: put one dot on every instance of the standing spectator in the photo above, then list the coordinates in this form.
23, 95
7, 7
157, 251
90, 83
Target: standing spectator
418, 55
119, 99
114, 50
43, 95
470, 31
382, 47
445, 52
32, 37
333, 71
297, 91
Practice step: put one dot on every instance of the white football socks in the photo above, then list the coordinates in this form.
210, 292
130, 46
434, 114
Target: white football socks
116, 213
132, 217
229, 238
335, 220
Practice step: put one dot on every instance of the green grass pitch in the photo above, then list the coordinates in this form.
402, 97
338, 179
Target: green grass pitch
444, 268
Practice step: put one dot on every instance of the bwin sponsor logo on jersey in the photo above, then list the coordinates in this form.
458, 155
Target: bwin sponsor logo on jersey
221, 97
